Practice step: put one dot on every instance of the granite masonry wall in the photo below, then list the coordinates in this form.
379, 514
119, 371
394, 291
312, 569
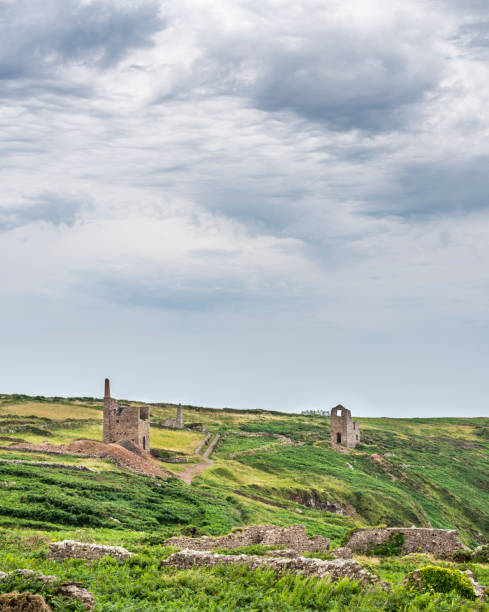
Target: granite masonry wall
293, 538
69, 549
335, 570
426, 540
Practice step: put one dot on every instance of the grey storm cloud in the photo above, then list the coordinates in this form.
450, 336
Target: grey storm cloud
267, 183
47, 207
449, 187
320, 70
36, 37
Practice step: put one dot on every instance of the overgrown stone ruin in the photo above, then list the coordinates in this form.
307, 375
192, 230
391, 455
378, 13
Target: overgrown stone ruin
344, 431
125, 422
414, 540
74, 590
70, 549
335, 570
176, 423
293, 538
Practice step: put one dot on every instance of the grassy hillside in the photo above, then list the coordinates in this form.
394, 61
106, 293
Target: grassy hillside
406, 471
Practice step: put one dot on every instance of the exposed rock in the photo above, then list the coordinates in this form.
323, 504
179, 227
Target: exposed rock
29, 574
293, 537
319, 501
23, 602
478, 588
342, 553
68, 589
336, 569
69, 549
77, 591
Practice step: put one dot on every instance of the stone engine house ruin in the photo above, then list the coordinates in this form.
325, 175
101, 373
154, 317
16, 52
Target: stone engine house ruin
175, 423
344, 431
125, 422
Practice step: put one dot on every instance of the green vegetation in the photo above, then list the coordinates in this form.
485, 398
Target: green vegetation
443, 580
406, 471
391, 548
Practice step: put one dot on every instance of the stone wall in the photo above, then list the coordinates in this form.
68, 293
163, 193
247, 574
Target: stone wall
69, 549
48, 464
425, 540
335, 570
293, 538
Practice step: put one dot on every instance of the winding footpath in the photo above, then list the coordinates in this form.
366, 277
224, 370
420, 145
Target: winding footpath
188, 474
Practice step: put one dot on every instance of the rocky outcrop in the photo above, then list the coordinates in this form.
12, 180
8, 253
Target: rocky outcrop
335, 570
66, 589
319, 501
69, 549
436, 541
293, 538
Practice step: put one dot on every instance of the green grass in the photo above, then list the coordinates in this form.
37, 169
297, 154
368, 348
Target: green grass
406, 471
141, 585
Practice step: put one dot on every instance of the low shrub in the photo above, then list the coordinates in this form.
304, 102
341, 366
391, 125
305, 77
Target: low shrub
441, 580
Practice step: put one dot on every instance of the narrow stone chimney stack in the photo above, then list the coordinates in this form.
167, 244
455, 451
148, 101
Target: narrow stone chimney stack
107, 388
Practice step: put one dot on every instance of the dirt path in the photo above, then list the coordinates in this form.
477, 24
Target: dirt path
190, 473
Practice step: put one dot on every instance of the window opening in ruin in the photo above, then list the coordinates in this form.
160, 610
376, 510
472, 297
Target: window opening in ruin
338, 438
144, 442
339, 413
357, 437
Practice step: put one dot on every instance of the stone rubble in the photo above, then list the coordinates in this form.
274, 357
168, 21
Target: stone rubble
68, 589
69, 549
293, 537
335, 570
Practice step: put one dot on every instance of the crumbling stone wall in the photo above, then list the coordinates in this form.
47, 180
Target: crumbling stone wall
293, 538
176, 423
69, 549
344, 431
125, 422
66, 589
336, 570
425, 540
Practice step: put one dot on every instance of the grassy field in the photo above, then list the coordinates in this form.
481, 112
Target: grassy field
406, 471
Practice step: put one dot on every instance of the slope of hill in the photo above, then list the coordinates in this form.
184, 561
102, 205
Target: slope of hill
269, 467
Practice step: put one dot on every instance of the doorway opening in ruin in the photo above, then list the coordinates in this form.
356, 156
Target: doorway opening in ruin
338, 438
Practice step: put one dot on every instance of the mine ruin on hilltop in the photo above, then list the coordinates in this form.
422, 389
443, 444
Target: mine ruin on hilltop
344, 431
125, 422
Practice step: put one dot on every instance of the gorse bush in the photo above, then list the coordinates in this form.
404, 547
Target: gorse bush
442, 580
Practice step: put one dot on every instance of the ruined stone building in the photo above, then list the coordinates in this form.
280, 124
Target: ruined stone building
175, 423
125, 422
344, 431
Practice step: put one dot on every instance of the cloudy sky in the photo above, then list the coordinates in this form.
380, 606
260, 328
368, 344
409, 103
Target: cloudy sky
247, 203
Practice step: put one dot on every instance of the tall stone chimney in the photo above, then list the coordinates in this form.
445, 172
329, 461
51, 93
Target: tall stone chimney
179, 422
107, 388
